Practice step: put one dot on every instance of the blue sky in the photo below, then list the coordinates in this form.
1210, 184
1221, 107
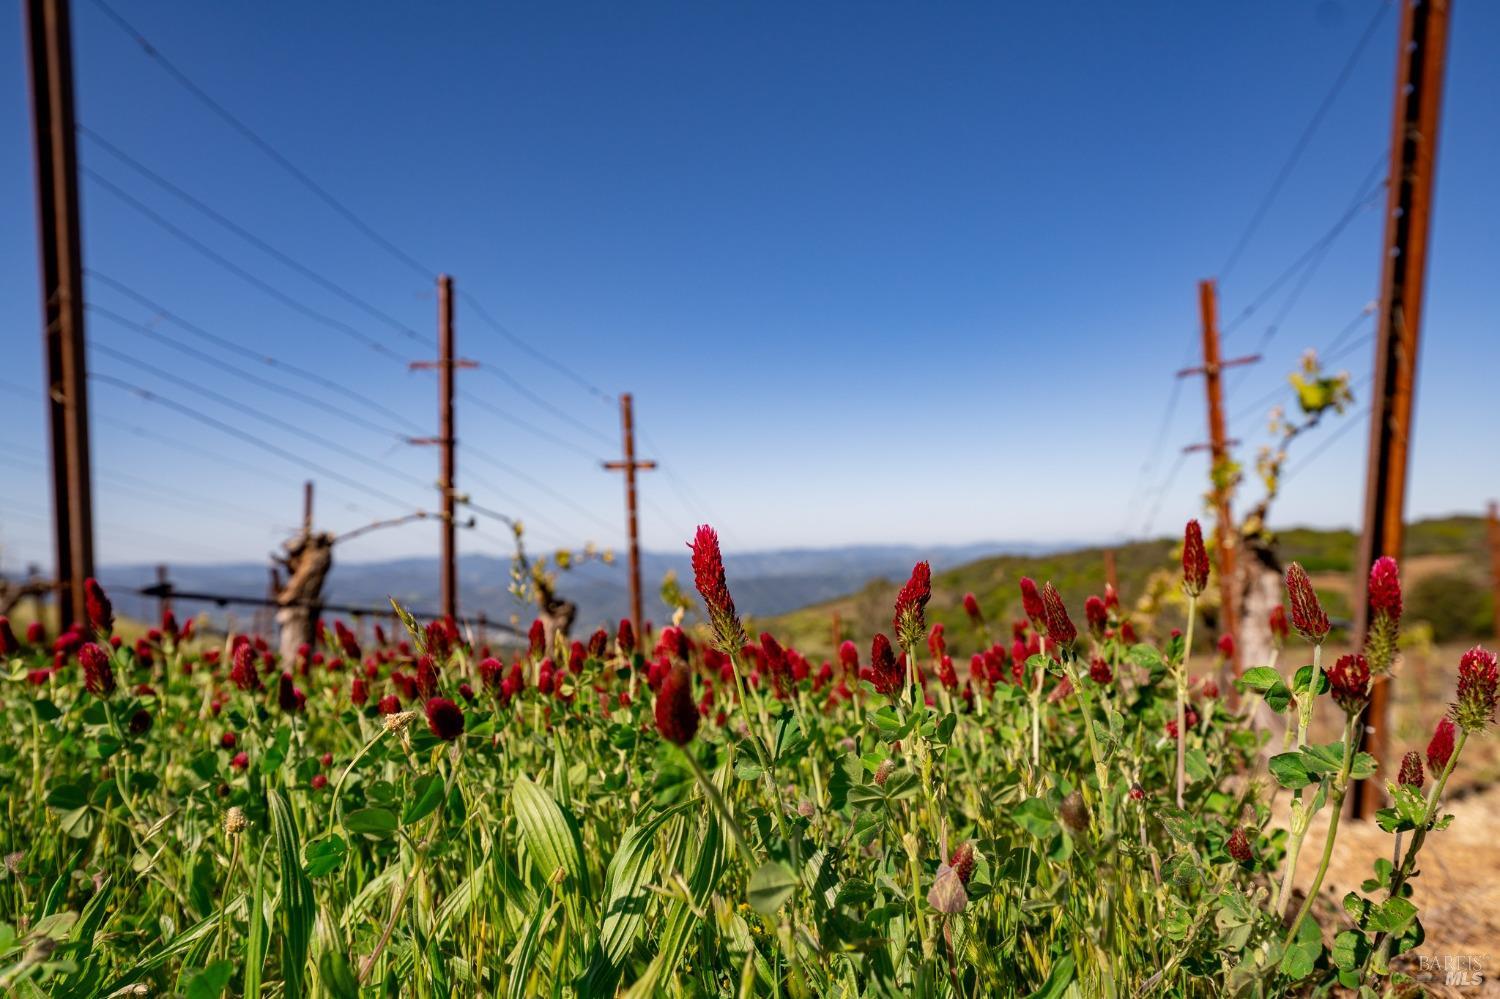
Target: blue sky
873, 271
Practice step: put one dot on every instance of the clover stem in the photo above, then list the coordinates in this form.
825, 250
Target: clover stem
1341, 789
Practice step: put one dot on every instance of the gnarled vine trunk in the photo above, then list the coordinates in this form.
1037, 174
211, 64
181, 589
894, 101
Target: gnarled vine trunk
308, 558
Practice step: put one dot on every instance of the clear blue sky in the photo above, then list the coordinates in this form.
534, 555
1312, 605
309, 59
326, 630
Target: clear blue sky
873, 271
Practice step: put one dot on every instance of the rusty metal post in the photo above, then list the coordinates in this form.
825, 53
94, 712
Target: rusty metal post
1421, 54
630, 466
307, 506
50, 55
445, 432
446, 365
1225, 532
164, 602
1494, 535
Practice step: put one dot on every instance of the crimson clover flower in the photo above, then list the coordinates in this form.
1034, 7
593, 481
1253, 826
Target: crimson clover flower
1031, 602
1194, 559
1097, 616
445, 719
713, 587
885, 672
1385, 587
1350, 682
676, 712
625, 637
1440, 749
937, 642
1478, 678
971, 608
962, 862
1059, 625
1277, 622
287, 694
1385, 613
1238, 845
909, 619
98, 674
100, 612
1308, 616
1411, 770
849, 657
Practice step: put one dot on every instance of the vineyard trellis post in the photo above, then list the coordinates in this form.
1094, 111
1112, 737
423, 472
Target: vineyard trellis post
630, 466
50, 56
1421, 54
164, 602
446, 365
1226, 534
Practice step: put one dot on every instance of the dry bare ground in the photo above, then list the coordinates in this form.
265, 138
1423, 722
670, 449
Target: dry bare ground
1458, 891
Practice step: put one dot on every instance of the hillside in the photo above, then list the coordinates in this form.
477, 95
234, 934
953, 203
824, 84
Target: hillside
1445, 568
767, 582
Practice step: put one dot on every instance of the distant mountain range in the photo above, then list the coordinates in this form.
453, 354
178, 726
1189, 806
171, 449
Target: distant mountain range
765, 583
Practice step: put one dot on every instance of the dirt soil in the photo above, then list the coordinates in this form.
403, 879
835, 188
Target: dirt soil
1458, 890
